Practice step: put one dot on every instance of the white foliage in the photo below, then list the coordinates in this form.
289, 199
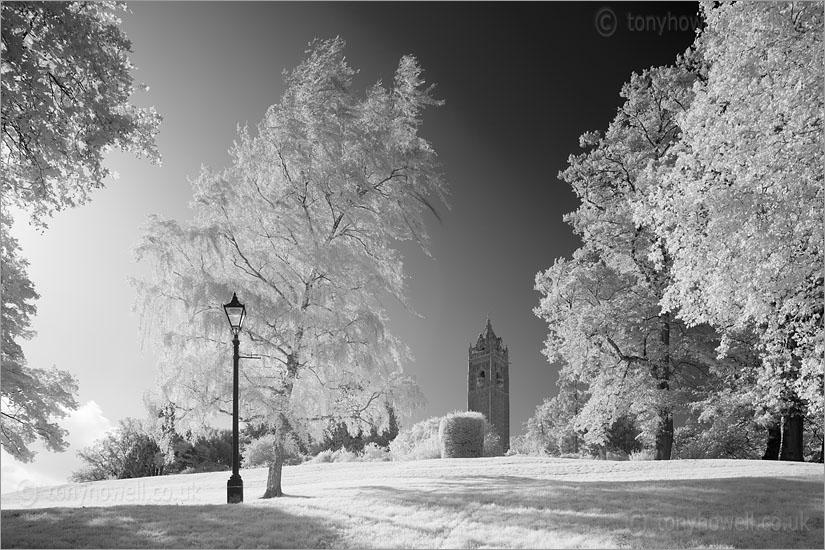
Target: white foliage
66, 86
301, 226
739, 202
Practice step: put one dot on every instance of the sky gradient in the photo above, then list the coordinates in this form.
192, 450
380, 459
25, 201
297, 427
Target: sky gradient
521, 83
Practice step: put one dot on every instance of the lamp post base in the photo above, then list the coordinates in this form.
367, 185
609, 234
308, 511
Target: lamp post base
234, 489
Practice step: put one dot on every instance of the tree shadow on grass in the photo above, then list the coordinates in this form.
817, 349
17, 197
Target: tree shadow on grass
759, 512
149, 526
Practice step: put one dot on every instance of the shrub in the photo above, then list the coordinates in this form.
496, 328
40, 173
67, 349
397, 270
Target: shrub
337, 435
126, 452
343, 455
322, 457
462, 435
619, 455
525, 445
643, 454
375, 453
261, 452
623, 437
725, 436
492, 442
210, 451
419, 442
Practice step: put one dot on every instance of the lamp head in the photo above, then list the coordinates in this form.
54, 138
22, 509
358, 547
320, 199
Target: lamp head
236, 313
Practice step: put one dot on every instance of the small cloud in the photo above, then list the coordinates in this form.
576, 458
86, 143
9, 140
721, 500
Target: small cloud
85, 425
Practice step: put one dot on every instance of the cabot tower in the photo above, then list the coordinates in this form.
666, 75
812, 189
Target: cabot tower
488, 383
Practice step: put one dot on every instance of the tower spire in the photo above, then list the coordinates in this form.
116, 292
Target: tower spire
488, 329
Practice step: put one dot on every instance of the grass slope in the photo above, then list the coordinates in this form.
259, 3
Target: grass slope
502, 502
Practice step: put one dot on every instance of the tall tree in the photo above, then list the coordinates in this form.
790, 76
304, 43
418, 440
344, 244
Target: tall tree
602, 307
301, 225
606, 329
739, 204
65, 101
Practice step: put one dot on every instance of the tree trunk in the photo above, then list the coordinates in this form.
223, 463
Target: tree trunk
792, 439
774, 440
273, 479
785, 439
664, 437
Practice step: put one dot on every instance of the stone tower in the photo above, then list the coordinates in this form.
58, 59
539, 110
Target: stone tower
488, 382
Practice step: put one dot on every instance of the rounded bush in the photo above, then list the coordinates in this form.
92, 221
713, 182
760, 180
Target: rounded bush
462, 435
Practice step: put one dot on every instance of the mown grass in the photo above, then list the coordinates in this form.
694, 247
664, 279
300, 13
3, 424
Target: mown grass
167, 526
465, 503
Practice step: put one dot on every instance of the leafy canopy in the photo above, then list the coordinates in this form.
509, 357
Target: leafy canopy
701, 218
66, 86
302, 226
738, 203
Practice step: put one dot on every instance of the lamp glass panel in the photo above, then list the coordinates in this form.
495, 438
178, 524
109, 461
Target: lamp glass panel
236, 315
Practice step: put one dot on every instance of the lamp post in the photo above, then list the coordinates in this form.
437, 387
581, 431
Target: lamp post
236, 313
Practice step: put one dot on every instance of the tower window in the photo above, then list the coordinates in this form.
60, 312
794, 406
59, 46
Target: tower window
499, 380
481, 379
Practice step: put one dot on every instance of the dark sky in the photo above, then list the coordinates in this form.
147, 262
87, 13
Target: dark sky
521, 82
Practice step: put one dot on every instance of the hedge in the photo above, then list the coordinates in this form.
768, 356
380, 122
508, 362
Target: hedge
462, 435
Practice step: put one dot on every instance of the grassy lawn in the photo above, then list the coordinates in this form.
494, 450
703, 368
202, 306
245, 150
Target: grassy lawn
460, 503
